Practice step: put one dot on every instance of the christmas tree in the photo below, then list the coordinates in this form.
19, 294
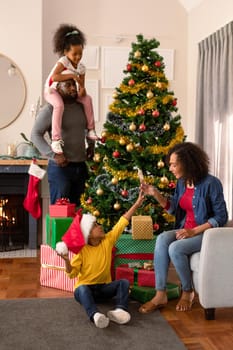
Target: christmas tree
141, 127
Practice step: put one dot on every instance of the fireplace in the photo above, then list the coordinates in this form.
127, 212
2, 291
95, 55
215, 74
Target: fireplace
17, 228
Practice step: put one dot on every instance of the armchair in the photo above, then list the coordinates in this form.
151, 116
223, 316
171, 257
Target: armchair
212, 270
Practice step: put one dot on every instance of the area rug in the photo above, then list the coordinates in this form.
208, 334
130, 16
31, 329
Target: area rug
59, 324
20, 253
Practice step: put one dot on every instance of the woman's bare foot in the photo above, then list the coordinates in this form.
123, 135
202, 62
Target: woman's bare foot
186, 301
157, 302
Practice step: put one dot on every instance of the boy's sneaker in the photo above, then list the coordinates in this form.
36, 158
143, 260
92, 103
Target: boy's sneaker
119, 316
100, 320
56, 146
92, 135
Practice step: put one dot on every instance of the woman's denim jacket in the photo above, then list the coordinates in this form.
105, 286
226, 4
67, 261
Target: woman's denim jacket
208, 203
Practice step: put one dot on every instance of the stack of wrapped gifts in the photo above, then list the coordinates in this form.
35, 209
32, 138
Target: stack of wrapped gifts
52, 272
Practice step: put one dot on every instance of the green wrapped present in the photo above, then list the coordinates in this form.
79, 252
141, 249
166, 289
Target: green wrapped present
129, 250
56, 228
144, 294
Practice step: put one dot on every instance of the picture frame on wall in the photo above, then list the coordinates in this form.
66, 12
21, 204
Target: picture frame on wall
108, 99
113, 61
91, 57
92, 87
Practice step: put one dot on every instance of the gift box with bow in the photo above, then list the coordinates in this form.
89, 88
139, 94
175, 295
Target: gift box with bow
62, 208
136, 276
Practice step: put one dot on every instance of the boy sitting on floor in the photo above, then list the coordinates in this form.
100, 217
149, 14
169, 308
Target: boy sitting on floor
92, 266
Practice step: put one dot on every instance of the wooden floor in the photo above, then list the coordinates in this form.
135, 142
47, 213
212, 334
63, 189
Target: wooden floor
19, 278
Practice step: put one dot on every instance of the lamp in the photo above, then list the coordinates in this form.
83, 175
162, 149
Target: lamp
12, 70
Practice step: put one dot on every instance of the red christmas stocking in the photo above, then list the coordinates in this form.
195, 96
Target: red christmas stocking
32, 201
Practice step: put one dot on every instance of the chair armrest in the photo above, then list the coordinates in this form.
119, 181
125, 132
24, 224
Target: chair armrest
215, 280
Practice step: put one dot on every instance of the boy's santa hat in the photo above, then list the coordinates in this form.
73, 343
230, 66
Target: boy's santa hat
77, 234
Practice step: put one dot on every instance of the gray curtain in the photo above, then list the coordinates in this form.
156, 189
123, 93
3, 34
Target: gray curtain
214, 119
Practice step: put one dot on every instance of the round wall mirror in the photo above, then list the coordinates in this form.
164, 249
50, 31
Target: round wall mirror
13, 91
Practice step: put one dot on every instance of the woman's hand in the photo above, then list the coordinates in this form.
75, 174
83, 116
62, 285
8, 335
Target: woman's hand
185, 233
147, 189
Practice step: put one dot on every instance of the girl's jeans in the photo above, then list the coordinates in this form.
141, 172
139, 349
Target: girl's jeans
88, 295
168, 248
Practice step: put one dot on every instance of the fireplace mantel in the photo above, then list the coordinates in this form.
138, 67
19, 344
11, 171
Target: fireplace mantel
15, 161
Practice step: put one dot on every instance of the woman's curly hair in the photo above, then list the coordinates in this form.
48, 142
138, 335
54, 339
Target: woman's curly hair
193, 159
66, 36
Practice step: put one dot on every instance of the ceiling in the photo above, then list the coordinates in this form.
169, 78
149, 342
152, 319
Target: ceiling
190, 4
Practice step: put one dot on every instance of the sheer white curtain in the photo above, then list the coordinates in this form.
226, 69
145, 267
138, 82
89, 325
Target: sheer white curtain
214, 131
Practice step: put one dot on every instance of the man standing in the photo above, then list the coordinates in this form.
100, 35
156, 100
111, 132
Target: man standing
67, 172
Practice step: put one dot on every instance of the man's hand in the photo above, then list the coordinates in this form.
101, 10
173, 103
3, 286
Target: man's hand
60, 160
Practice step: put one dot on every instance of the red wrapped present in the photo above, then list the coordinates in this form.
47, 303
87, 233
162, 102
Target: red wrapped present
52, 271
62, 208
136, 276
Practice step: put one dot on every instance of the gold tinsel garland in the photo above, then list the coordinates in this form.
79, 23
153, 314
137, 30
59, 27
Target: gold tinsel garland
150, 104
122, 175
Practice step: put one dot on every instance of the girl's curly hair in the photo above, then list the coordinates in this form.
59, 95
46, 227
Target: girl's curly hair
193, 159
65, 36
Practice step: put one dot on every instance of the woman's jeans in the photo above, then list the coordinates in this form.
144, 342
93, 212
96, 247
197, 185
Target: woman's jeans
168, 248
88, 295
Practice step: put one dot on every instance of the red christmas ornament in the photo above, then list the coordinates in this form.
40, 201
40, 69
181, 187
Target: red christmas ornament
172, 185
142, 127
131, 82
89, 200
141, 111
157, 64
129, 67
156, 227
174, 102
116, 154
124, 193
155, 113
103, 139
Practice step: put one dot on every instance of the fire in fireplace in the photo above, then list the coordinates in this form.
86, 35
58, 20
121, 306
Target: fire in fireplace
13, 223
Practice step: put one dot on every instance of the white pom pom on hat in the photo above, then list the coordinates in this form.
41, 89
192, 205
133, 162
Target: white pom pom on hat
61, 248
86, 225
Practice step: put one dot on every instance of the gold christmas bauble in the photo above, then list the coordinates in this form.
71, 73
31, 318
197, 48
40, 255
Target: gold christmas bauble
132, 127
96, 157
129, 147
160, 164
149, 94
164, 180
114, 181
166, 126
158, 85
99, 192
145, 68
114, 95
96, 213
104, 133
137, 54
117, 206
122, 141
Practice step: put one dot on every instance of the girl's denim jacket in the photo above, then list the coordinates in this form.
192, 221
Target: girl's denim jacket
208, 203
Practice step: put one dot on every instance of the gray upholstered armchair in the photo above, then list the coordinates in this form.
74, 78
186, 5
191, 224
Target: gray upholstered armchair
212, 270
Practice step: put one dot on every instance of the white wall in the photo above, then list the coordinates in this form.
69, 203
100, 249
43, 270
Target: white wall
21, 40
204, 20
103, 20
